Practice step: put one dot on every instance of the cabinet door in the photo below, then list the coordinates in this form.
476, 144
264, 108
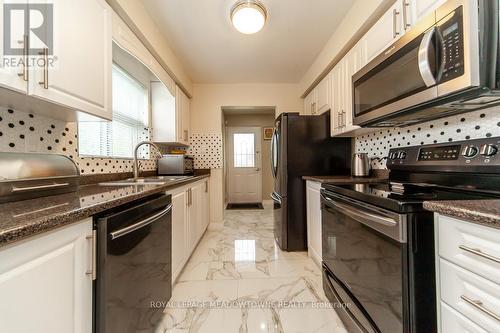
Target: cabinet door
310, 103
418, 9
314, 221
337, 83
179, 232
81, 75
323, 93
195, 213
206, 206
182, 105
387, 29
12, 73
162, 113
355, 60
44, 285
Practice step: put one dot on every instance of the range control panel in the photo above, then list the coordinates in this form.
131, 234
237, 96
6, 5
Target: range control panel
463, 154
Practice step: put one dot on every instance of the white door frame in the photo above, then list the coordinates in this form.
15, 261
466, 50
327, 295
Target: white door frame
251, 176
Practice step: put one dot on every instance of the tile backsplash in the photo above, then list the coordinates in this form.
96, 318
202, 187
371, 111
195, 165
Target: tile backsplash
206, 150
473, 125
26, 132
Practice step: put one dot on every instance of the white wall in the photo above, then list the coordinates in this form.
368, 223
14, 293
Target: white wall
206, 118
359, 18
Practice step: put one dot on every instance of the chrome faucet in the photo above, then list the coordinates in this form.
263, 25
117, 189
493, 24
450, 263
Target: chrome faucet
136, 161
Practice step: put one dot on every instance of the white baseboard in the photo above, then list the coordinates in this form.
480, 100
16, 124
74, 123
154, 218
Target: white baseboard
267, 203
314, 256
215, 226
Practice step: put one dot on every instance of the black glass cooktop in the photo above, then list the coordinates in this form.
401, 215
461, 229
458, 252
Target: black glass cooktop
401, 197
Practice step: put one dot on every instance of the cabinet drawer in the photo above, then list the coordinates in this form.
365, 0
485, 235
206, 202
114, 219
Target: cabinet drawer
452, 321
471, 246
474, 297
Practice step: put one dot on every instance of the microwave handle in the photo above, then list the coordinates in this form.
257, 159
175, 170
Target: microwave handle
423, 58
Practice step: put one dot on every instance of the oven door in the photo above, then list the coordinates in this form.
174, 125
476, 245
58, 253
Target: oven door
365, 259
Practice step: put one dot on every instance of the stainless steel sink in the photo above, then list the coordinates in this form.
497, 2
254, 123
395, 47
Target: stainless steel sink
159, 180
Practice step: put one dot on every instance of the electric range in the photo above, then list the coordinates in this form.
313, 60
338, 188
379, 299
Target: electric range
378, 241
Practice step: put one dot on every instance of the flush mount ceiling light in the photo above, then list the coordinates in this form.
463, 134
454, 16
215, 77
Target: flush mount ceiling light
248, 16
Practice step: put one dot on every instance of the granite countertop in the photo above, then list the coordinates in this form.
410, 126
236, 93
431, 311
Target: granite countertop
22, 219
375, 177
485, 212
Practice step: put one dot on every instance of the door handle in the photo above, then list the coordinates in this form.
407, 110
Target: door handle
141, 224
395, 14
93, 270
479, 305
406, 7
24, 74
479, 253
258, 169
423, 58
45, 82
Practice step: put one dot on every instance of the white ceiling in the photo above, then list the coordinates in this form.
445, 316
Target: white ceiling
212, 51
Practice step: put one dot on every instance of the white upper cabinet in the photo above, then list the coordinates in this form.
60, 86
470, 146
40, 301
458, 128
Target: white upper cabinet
310, 103
12, 77
341, 90
385, 31
170, 115
80, 77
323, 96
182, 110
319, 99
418, 9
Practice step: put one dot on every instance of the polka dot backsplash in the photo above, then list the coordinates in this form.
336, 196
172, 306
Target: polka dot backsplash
473, 125
206, 150
25, 132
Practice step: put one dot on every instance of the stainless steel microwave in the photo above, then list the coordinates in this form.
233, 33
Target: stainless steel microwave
446, 64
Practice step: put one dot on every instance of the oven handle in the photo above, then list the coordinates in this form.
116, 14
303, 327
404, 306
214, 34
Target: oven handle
361, 214
327, 276
276, 198
423, 58
141, 224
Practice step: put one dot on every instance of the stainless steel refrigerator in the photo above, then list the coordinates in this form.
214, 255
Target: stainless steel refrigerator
301, 146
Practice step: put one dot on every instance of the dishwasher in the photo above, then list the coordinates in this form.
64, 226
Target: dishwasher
134, 258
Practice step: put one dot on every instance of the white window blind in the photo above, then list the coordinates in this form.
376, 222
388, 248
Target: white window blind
244, 150
130, 121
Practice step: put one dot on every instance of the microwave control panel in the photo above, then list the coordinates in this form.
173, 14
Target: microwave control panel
451, 34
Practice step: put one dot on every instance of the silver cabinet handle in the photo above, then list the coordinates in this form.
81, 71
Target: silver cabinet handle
406, 7
141, 224
395, 14
423, 58
93, 271
206, 187
24, 74
479, 305
479, 253
39, 187
45, 82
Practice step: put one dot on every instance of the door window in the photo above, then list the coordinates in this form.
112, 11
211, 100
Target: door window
244, 150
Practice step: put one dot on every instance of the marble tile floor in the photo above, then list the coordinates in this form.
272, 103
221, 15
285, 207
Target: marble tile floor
238, 280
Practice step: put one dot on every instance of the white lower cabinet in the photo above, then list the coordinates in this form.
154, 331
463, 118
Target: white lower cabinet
190, 205
452, 321
314, 221
467, 266
44, 285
